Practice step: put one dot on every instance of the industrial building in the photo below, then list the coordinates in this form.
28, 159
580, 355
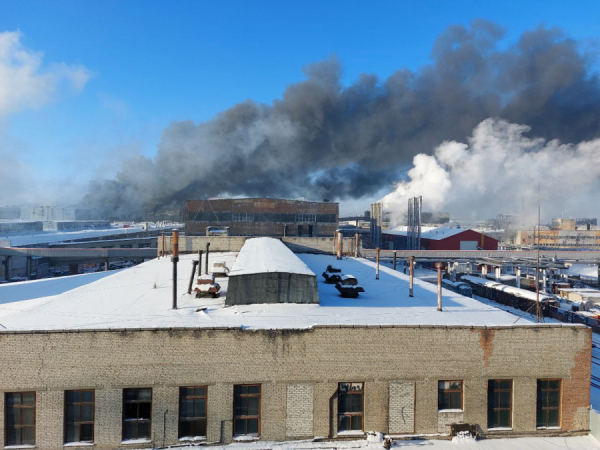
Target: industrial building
112, 363
440, 239
559, 238
261, 217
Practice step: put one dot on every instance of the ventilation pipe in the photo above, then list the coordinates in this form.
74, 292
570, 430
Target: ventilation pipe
518, 275
339, 245
194, 264
200, 262
411, 274
377, 263
356, 245
206, 262
438, 266
175, 259
394, 262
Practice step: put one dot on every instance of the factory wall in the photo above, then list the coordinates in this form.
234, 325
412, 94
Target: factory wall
299, 372
262, 217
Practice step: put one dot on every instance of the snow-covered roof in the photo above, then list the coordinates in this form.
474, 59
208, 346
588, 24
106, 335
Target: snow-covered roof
141, 297
433, 233
264, 255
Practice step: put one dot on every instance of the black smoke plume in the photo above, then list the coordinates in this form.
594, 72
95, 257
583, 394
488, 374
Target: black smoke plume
326, 140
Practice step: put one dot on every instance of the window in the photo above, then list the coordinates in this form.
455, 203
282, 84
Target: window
450, 395
499, 403
548, 403
310, 218
350, 407
20, 418
192, 411
246, 407
137, 413
79, 416
242, 217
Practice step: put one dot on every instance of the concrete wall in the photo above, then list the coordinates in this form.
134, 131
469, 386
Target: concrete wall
299, 372
191, 244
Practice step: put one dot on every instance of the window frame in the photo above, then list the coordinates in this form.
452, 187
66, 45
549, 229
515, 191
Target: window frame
351, 414
496, 411
246, 417
540, 409
193, 397
442, 391
80, 422
138, 420
20, 427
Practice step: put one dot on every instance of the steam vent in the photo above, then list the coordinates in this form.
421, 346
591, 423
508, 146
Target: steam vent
266, 271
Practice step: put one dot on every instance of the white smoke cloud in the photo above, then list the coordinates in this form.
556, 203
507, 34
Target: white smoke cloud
498, 172
25, 83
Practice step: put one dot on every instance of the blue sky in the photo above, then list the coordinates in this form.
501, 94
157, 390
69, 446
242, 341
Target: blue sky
150, 63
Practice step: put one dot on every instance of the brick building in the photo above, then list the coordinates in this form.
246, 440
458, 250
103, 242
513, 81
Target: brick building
113, 365
262, 217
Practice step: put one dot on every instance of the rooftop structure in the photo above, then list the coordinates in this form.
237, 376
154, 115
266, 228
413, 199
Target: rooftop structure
266, 271
439, 238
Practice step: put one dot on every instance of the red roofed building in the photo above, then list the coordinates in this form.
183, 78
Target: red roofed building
440, 239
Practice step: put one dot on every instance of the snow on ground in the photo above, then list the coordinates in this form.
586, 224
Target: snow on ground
53, 237
532, 443
141, 297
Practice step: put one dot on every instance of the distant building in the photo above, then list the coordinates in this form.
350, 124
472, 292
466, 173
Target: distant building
563, 224
262, 217
559, 238
440, 239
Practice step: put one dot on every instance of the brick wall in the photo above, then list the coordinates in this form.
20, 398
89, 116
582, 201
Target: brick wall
295, 368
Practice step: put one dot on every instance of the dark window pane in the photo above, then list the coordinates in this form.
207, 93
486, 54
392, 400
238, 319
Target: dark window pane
184, 392
129, 430
200, 408
253, 406
201, 392
87, 396
504, 418
87, 413
145, 410
554, 384
72, 433
356, 403
505, 399
505, 384
553, 398
145, 394
130, 411
28, 436
71, 396
131, 394
553, 418
238, 389
344, 403
12, 399
357, 422
186, 409
252, 426
344, 423
11, 437
28, 416
13, 416
144, 430
253, 389
240, 426
87, 432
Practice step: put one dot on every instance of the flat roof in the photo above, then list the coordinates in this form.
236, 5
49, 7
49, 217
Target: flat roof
433, 233
141, 297
267, 255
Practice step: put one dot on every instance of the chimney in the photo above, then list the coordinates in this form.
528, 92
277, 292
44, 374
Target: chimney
175, 259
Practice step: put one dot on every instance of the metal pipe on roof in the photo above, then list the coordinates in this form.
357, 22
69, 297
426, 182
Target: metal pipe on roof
438, 266
199, 262
394, 262
339, 244
206, 262
356, 244
377, 265
175, 260
194, 264
411, 276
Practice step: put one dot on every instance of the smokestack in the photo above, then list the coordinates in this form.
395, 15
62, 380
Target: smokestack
175, 259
